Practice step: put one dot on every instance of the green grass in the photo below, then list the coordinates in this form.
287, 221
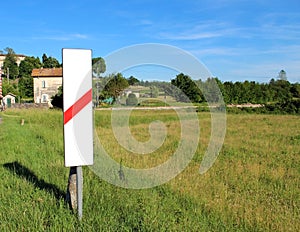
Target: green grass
253, 186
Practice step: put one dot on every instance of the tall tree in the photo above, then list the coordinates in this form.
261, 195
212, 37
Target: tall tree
99, 66
9, 87
115, 86
281, 90
44, 58
50, 62
212, 88
27, 65
132, 80
188, 90
26, 87
10, 65
25, 80
295, 90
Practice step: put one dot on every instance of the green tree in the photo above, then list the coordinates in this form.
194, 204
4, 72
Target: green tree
44, 58
25, 79
212, 89
50, 62
26, 87
27, 65
281, 90
57, 100
188, 90
99, 66
154, 92
10, 65
115, 86
8, 87
295, 90
228, 95
132, 100
132, 80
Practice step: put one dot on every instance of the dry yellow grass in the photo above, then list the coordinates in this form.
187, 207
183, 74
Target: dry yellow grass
255, 179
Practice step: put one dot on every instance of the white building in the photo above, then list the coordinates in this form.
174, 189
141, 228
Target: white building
19, 58
9, 99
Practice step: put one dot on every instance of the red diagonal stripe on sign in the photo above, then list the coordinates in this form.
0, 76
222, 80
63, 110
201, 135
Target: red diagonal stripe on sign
77, 106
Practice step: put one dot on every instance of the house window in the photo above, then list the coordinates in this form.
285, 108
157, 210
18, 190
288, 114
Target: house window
44, 98
43, 84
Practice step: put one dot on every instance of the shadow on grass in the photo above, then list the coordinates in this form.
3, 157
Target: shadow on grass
24, 172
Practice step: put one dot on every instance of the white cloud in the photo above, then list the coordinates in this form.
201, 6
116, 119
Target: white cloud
202, 30
280, 31
215, 51
189, 36
79, 36
62, 37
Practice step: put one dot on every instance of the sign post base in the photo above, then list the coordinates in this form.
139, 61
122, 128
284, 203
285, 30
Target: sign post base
74, 190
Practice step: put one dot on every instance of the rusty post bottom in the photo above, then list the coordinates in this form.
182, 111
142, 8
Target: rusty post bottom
71, 196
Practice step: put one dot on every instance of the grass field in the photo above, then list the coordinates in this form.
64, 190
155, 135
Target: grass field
253, 186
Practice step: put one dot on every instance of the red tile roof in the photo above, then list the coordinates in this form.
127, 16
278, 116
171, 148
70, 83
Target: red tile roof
46, 72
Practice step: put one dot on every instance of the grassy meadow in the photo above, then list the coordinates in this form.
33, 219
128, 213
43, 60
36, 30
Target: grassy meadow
254, 184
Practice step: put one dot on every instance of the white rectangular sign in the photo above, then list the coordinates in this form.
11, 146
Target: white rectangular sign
77, 107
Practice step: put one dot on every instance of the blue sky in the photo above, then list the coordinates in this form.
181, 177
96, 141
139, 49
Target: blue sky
236, 40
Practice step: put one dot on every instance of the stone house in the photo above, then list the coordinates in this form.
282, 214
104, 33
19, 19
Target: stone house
9, 99
46, 82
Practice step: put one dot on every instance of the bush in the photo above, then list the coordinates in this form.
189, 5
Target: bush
202, 109
57, 100
286, 107
152, 103
131, 100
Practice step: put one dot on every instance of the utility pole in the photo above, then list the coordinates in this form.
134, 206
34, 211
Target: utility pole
7, 74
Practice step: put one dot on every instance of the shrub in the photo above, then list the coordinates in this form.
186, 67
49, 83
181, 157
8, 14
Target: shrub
131, 100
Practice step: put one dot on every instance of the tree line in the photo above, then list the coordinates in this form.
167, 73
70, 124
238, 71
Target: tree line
277, 91
187, 89
276, 96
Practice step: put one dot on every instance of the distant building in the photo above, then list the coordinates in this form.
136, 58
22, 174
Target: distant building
19, 58
282, 75
9, 99
46, 82
126, 93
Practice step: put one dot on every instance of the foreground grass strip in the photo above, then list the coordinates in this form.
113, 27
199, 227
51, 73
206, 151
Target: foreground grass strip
253, 186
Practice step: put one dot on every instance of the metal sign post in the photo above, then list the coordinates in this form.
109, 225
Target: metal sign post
78, 120
79, 183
